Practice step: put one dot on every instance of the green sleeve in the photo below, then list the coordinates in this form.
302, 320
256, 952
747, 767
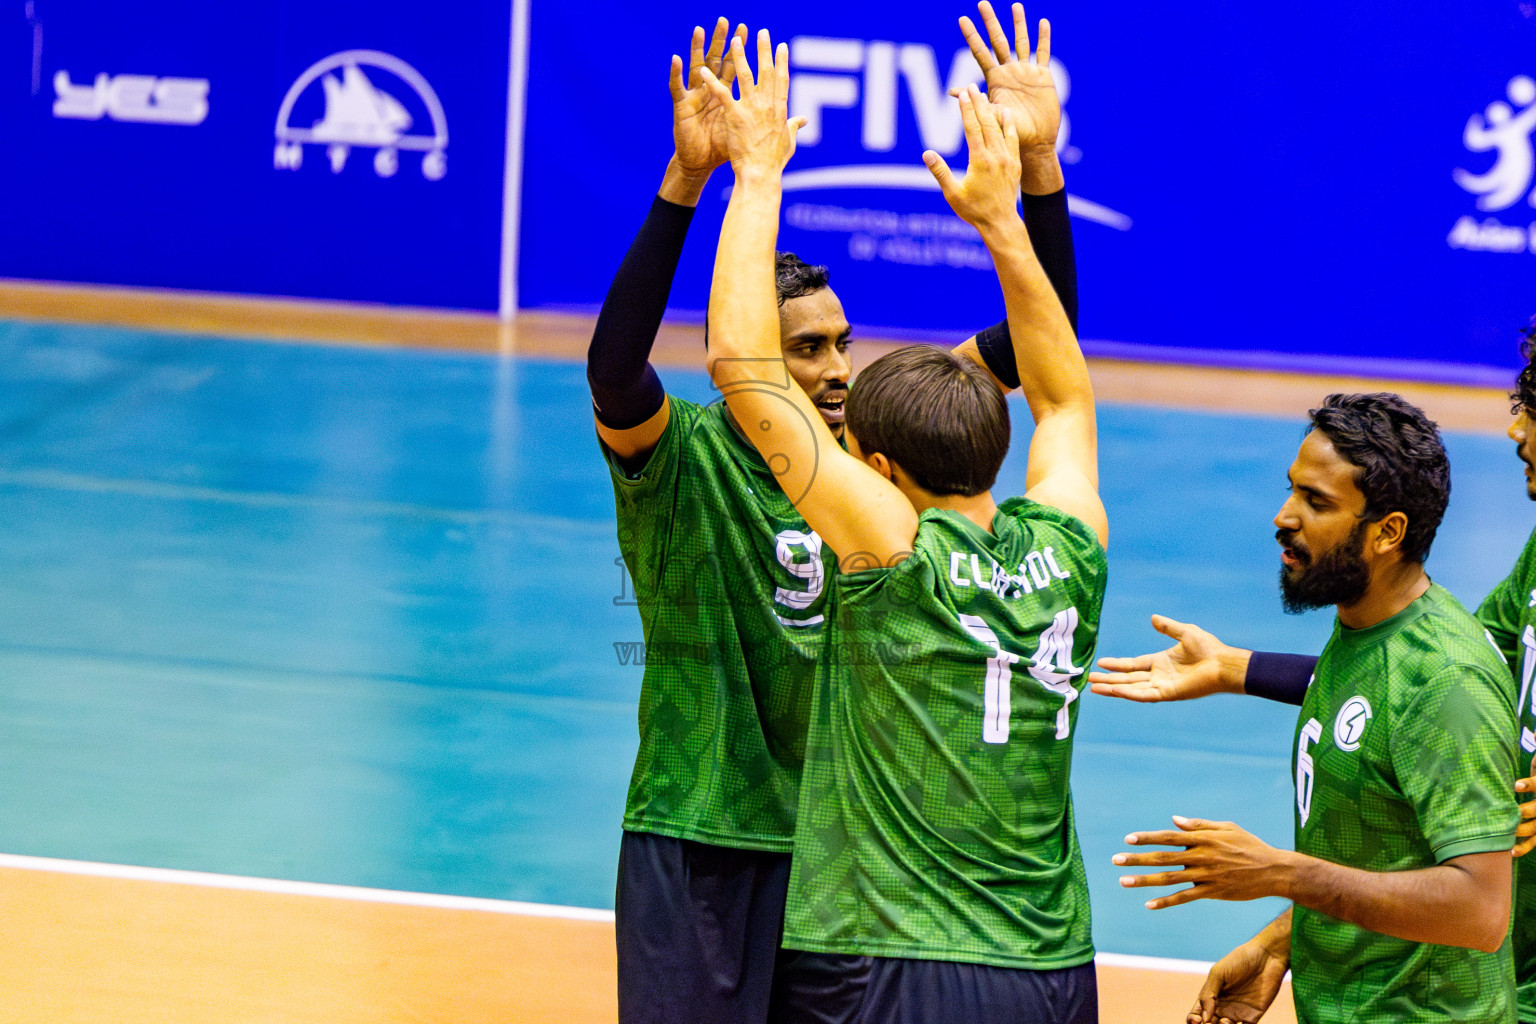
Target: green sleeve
1503, 611
660, 469
1500, 614
1453, 751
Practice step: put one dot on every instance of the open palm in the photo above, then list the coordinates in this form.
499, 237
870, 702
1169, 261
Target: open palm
1026, 89
698, 130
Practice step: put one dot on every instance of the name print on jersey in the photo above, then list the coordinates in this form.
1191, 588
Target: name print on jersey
1039, 568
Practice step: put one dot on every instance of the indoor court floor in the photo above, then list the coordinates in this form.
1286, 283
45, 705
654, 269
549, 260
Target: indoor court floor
318, 665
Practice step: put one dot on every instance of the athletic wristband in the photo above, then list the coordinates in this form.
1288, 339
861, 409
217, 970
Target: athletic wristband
1279, 677
1050, 233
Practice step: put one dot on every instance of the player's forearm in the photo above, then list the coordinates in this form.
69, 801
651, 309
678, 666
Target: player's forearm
742, 302
680, 187
1052, 371
1450, 904
625, 389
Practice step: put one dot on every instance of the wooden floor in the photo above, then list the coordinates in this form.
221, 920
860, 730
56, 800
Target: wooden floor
78, 949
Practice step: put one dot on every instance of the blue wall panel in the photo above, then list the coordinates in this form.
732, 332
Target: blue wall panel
149, 150
1261, 180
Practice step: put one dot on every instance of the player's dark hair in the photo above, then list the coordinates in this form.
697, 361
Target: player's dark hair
940, 418
1524, 395
1401, 461
792, 278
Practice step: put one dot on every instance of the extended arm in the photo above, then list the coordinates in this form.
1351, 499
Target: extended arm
1028, 93
1200, 665
855, 510
1463, 901
627, 397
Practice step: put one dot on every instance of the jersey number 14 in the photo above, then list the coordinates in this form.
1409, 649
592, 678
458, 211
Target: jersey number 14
1051, 667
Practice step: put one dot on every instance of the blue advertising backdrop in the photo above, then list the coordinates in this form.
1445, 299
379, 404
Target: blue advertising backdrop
1338, 182
343, 150
1327, 183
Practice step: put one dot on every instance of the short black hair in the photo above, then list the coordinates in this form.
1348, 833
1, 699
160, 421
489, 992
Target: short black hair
792, 278
937, 416
1524, 395
1401, 461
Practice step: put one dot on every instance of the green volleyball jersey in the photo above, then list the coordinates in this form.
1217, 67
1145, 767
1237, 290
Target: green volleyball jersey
1509, 615
935, 816
729, 582
1404, 758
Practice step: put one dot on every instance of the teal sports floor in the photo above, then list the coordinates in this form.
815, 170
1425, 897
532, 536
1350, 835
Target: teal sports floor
355, 615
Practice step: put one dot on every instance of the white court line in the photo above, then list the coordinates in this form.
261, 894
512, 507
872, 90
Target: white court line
286, 888
423, 899
1153, 963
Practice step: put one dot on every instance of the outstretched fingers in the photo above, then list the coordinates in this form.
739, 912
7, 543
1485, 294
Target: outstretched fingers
1042, 40
745, 82
765, 63
679, 90
941, 172
984, 57
717, 88
996, 35
711, 58
781, 79
728, 61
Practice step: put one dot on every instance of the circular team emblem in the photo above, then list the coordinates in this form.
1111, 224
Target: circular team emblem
1349, 726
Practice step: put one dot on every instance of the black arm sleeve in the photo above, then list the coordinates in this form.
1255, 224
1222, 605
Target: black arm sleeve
625, 389
1281, 677
1050, 231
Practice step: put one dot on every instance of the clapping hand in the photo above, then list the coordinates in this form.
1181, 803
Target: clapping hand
698, 133
988, 194
756, 133
1024, 88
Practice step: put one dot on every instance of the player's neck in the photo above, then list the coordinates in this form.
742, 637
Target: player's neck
1397, 586
978, 508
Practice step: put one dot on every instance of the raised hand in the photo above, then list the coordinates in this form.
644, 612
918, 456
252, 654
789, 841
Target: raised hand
1241, 986
756, 132
988, 194
698, 133
1191, 668
1025, 89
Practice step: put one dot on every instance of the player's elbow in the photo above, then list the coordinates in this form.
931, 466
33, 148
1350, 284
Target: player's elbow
1487, 923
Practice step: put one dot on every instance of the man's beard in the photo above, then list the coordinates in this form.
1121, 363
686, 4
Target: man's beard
1337, 576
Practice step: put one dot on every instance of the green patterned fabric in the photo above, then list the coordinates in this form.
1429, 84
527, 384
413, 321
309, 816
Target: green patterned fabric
1404, 759
1509, 615
729, 582
935, 816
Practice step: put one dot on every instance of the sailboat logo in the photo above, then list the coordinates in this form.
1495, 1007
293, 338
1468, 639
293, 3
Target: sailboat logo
360, 114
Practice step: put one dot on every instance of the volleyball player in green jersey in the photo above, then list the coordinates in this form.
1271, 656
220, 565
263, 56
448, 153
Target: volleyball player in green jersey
729, 580
1404, 758
1201, 664
935, 826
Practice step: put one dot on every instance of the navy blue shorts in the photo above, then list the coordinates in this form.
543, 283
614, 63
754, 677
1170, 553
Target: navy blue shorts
698, 930
901, 991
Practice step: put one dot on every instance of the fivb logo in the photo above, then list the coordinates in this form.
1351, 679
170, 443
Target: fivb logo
831, 73
362, 114
1505, 129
